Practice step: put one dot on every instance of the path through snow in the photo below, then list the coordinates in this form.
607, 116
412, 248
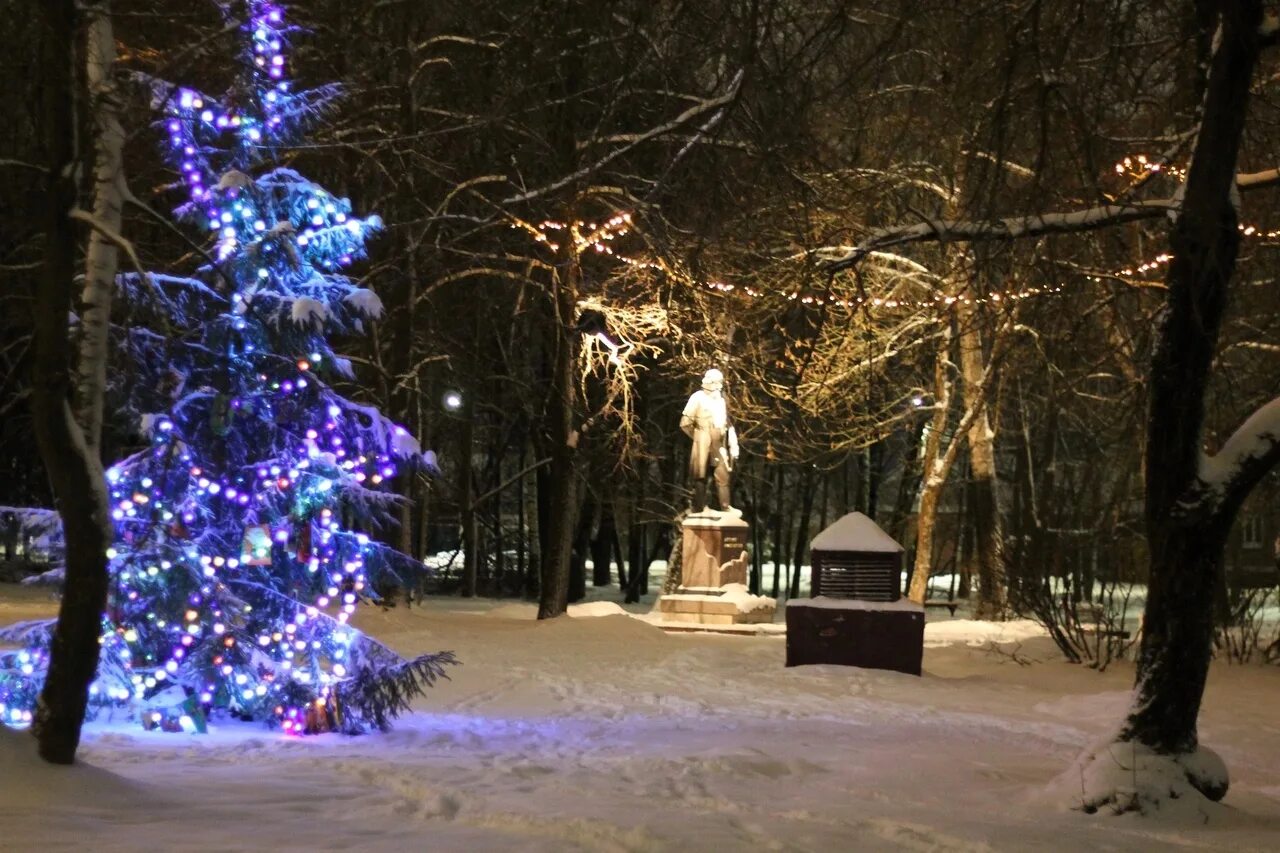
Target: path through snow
606, 734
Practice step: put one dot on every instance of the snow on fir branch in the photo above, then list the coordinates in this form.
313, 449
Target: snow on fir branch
33, 521
54, 577
365, 302
37, 631
384, 685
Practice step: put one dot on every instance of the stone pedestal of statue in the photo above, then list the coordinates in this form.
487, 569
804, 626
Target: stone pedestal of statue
713, 575
713, 552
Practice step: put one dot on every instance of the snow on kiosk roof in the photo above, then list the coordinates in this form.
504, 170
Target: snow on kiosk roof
855, 532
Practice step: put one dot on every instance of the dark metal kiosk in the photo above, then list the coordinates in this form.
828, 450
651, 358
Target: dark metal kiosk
857, 616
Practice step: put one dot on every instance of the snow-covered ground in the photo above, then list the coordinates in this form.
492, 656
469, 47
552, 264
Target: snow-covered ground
601, 732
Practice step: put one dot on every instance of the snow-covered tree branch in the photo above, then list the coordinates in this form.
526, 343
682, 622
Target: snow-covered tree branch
1018, 227
1227, 477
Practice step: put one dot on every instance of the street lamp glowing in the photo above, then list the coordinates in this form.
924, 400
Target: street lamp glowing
452, 400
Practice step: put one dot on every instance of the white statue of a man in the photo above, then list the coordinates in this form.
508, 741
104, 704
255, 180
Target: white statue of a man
715, 443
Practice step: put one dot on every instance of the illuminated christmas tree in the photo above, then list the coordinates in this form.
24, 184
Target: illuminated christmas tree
235, 568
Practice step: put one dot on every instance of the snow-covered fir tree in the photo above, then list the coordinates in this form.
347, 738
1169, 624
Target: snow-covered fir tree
237, 561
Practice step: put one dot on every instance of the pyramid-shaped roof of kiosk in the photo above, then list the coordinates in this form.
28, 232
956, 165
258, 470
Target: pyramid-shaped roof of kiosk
855, 532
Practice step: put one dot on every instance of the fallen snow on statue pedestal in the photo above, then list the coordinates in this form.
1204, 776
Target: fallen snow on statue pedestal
606, 734
744, 600
733, 592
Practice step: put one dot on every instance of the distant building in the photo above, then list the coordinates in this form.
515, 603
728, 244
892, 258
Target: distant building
1253, 548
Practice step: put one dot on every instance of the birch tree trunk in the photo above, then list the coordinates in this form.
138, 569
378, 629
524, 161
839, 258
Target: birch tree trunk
988, 552
940, 454
101, 261
937, 462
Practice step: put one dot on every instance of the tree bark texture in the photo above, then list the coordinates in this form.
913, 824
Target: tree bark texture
602, 546
937, 461
800, 544
562, 492
984, 509
776, 518
581, 549
466, 498
1186, 538
101, 261
75, 471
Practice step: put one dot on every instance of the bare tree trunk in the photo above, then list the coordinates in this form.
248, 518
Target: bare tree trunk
638, 547
754, 580
108, 204
521, 531
642, 554
615, 548
846, 478
800, 543
895, 521
466, 497
581, 549
498, 580
1186, 529
602, 545
410, 378
404, 518
962, 576
869, 481
74, 468
988, 553
424, 520
826, 500
940, 454
937, 463
777, 519
532, 518
562, 491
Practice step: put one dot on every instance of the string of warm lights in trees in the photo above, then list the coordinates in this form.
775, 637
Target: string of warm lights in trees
590, 236
597, 237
